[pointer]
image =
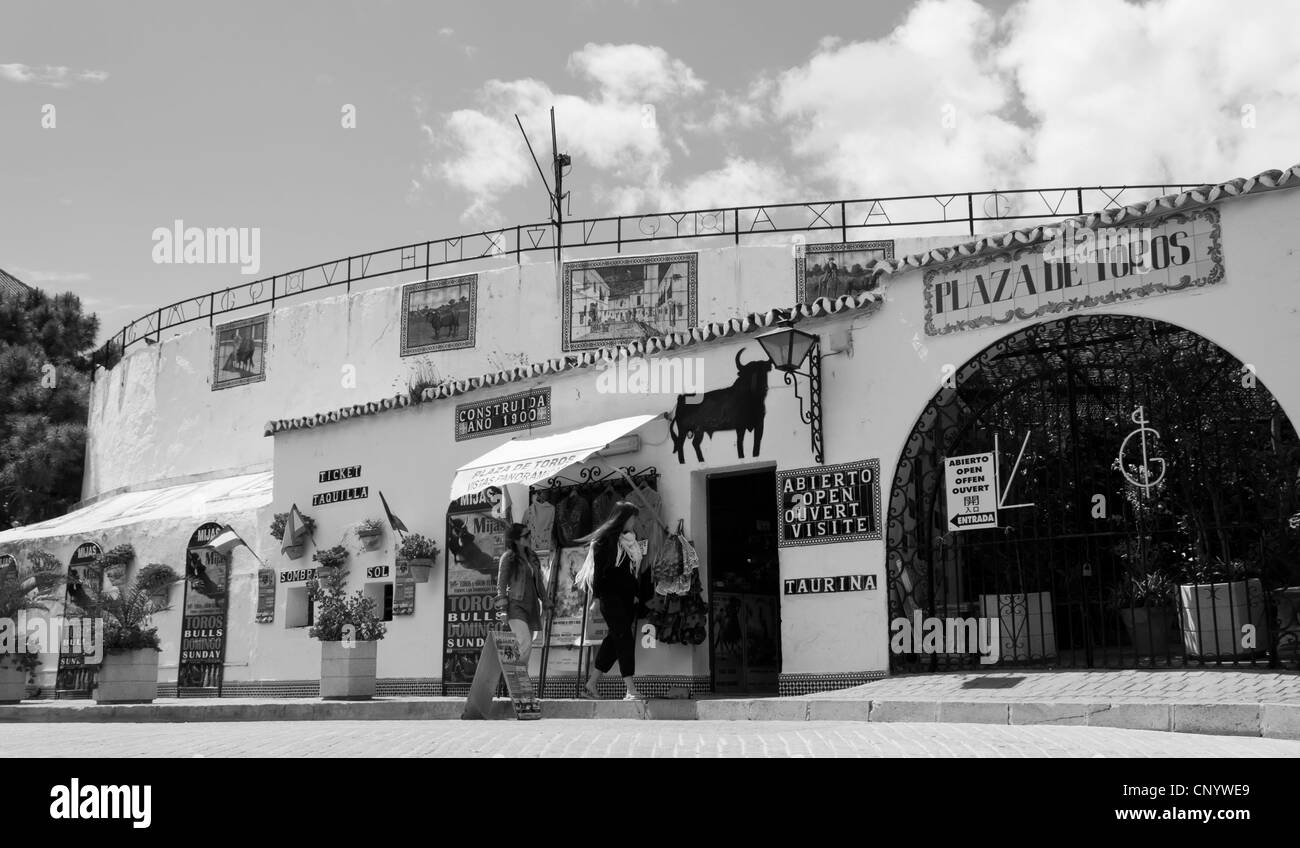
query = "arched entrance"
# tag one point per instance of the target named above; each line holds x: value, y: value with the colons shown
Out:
x: 1092, y: 575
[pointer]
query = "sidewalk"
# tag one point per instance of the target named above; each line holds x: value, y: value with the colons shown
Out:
x: 1228, y: 702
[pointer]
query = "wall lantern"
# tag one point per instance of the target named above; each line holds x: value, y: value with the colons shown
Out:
x: 788, y: 348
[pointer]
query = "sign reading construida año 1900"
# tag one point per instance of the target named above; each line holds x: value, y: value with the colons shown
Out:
x: 501, y: 415
x: 1078, y: 269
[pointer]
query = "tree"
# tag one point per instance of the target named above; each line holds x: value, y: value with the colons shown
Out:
x: 45, y: 377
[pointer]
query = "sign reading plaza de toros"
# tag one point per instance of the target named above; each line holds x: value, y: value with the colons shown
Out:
x: 1078, y: 269
x: 829, y: 503
x: 501, y: 415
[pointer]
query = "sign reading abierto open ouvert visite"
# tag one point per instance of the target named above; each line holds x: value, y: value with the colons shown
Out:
x: 829, y: 503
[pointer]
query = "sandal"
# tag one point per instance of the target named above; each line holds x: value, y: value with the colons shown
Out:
x: 584, y: 694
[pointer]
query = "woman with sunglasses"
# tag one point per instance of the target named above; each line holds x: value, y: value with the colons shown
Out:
x: 521, y: 589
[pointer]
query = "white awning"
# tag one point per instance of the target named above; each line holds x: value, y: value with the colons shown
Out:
x: 187, y: 500
x: 528, y: 461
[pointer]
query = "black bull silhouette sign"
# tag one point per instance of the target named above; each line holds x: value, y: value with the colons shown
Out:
x: 741, y: 406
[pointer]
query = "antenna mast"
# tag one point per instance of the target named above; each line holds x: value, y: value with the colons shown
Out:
x: 556, y: 197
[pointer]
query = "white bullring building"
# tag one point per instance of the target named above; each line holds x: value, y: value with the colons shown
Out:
x: 996, y: 429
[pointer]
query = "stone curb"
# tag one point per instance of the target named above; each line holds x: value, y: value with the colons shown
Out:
x: 1269, y: 720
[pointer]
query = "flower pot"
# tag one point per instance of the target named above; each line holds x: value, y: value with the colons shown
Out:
x: 1028, y: 631
x: 13, y: 684
x: 420, y: 569
x: 370, y: 540
x: 294, y: 551
x: 1286, y: 603
x: 348, y: 673
x: 1212, y: 615
x: 1150, y: 629
x: 129, y: 678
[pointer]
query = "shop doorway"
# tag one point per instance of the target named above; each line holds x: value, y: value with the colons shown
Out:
x: 744, y: 582
x: 1161, y: 473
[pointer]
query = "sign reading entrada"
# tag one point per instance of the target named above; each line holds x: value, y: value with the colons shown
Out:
x: 1078, y: 269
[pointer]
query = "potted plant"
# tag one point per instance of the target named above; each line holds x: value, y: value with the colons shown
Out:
x: 114, y: 562
x: 18, y: 593
x: 349, y: 632
x: 370, y: 532
x: 331, y: 559
x: 1216, y: 600
x: 129, y: 671
x: 419, y: 553
x: 278, y: 522
x: 156, y: 580
x: 1145, y: 605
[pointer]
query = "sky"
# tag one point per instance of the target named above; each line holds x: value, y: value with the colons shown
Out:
x: 233, y: 115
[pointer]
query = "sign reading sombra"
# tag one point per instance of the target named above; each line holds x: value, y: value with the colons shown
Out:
x: 829, y: 503
x: 502, y: 415
x: 1079, y: 269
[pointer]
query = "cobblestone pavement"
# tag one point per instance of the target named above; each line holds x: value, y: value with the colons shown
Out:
x: 1174, y: 685
x: 613, y: 738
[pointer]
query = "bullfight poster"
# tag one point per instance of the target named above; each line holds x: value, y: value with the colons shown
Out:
x: 475, y: 542
x: 203, y: 622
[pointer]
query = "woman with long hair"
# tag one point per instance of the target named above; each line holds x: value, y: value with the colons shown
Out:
x: 614, y: 561
x: 521, y: 589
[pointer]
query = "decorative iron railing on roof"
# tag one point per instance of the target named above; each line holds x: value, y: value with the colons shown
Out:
x: 847, y: 217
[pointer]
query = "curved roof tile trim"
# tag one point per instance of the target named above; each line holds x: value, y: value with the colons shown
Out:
x: 704, y: 334
x: 755, y: 321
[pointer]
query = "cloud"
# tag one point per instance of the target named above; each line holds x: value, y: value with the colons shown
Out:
x: 739, y: 181
x: 634, y: 72
x: 957, y: 97
x: 613, y: 130
x: 38, y: 277
x: 1163, y: 91
x: 868, y: 117
x: 446, y: 32
x: 53, y: 76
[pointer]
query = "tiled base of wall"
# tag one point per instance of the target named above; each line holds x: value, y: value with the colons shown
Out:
x: 611, y: 686
x: 806, y: 684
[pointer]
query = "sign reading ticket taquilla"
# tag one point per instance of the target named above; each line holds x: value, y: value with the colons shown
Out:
x: 502, y: 415
x: 829, y: 503
x: 1079, y: 268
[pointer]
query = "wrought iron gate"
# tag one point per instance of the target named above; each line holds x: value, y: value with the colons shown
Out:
x: 1172, y: 554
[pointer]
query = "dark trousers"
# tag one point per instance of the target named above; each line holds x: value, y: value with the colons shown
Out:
x: 620, y: 642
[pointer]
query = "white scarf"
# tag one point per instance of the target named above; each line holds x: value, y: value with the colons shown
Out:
x: 629, y: 547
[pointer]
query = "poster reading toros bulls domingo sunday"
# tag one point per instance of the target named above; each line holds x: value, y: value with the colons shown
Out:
x: 203, y: 624
x: 475, y: 542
